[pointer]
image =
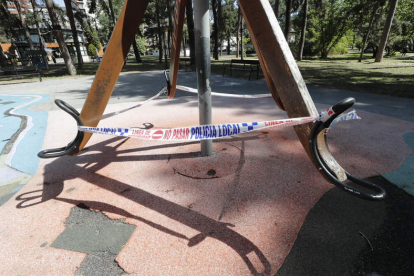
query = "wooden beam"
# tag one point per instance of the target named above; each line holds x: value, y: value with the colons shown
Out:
x: 177, y: 35
x: 280, y: 64
x: 111, y: 65
x: 265, y: 70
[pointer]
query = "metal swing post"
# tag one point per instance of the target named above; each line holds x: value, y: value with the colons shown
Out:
x: 202, y: 43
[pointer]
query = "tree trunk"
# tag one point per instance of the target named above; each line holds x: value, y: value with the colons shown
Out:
x: 228, y: 45
x: 69, y: 12
x: 184, y: 49
x: 190, y: 26
x: 239, y: 18
x: 219, y: 25
x: 57, y: 30
x: 39, y: 33
x: 160, y: 31
x: 111, y: 8
x: 276, y: 8
x: 303, y: 31
x: 170, y: 26
x: 287, y: 19
x: 386, y: 31
x: 367, y: 34
x: 241, y: 40
x: 41, y: 44
x: 3, y: 58
x: 23, y: 21
x: 215, y: 29
x: 136, y: 51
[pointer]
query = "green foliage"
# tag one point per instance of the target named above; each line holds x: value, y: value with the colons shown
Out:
x: 248, y: 46
x: 89, y: 32
x: 141, y: 44
x: 102, y: 10
x: 31, y: 18
x: 8, y: 22
x: 341, y: 47
x: 228, y: 19
x: 91, y: 50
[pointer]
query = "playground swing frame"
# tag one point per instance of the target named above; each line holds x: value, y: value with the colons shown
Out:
x: 280, y: 70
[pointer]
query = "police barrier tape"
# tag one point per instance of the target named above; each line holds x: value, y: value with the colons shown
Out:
x: 185, y: 89
x: 257, y: 96
x: 162, y: 92
x: 205, y: 132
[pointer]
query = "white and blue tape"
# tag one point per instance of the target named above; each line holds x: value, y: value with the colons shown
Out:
x: 205, y: 132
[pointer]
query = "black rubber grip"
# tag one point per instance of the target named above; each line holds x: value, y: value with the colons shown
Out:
x: 338, y: 109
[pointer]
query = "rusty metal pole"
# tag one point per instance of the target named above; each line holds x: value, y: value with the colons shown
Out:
x: 202, y: 43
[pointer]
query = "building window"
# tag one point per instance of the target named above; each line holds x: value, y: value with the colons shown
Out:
x: 83, y: 50
x: 11, y: 8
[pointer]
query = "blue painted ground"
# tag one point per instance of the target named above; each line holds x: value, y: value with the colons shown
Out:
x: 404, y: 176
x: 25, y: 157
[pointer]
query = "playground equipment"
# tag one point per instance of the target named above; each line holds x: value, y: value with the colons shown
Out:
x: 282, y: 75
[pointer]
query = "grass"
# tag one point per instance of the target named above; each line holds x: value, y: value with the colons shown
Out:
x: 393, y: 76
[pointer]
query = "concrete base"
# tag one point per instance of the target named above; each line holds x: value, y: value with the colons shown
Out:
x: 243, y: 221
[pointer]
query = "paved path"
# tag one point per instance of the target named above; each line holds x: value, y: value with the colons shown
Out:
x: 142, y: 205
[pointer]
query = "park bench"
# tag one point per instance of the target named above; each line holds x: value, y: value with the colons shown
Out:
x: 187, y: 63
x: 20, y: 72
x: 96, y: 58
x: 250, y: 65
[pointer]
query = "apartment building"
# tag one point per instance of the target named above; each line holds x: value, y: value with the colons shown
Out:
x: 45, y: 28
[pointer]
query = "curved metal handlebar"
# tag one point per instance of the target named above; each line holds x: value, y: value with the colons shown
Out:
x: 167, y: 79
x: 371, y: 191
x: 51, y: 153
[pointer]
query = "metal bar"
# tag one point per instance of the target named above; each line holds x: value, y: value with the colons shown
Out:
x: 107, y: 75
x: 202, y: 42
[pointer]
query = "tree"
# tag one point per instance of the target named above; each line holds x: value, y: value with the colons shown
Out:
x: 136, y: 51
x: 303, y: 30
x: 57, y: 30
x: 8, y: 22
x: 89, y: 31
x: 190, y: 25
x: 229, y: 22
x: 405, y: 14
x: 216, y: 26
x: 36, y: 20
x: 160, y: 29
x: 287, y: 18
x: 329, y: 21
x: 105, y: 16
x: 276, y: 8
x: 386, y: 31
x: 69, y: 12
x: 170, y: 26
x: 375, y: 7
x: 239, y: 31
x: 24, y: 25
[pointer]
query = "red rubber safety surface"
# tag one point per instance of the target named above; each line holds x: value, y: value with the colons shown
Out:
x: 237, y: 212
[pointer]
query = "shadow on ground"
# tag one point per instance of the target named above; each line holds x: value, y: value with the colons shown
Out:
x: 344, y: 235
